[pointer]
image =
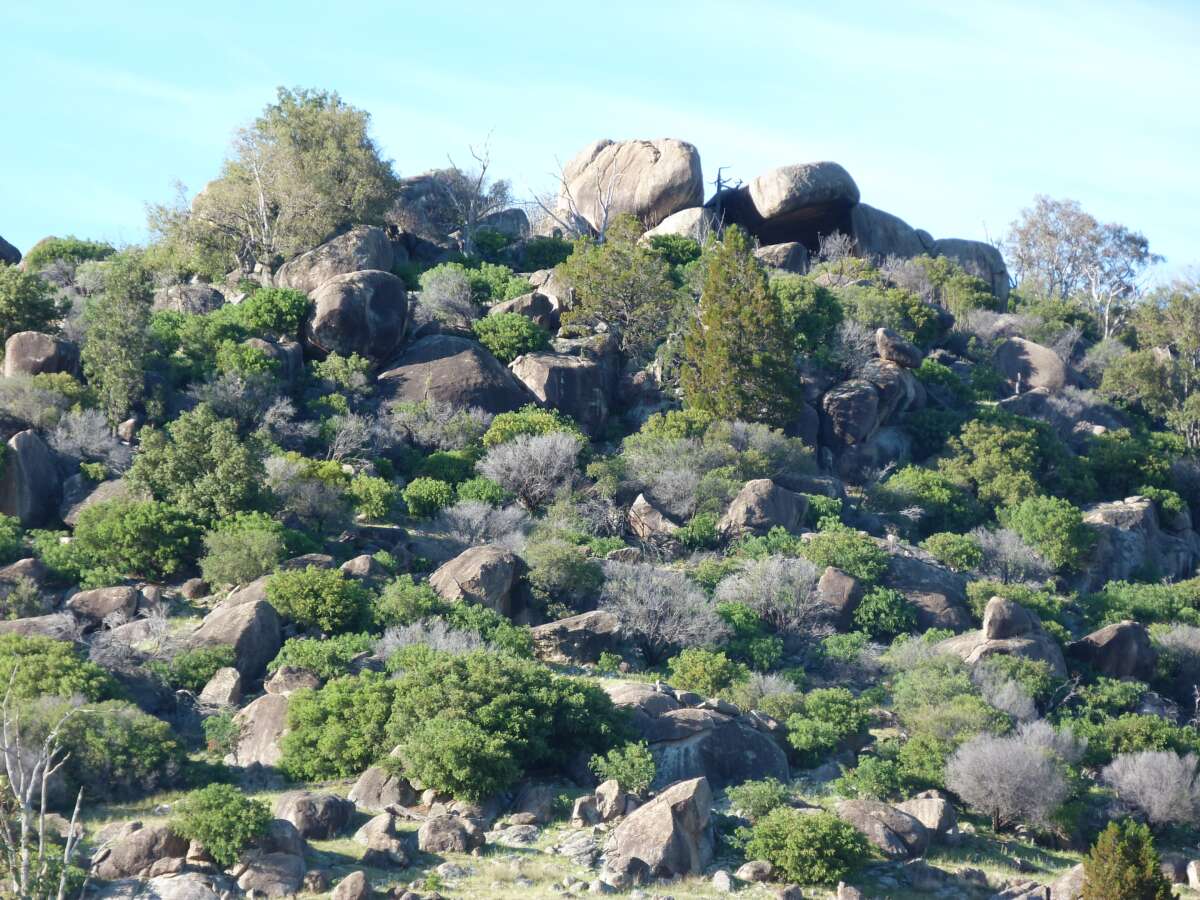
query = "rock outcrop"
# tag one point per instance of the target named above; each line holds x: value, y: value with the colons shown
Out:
x: 1028, y: 366
x: 194, y: 299
x: 1120, y: 650
x: 1131, y: 544
x: 650, y: 179
x: 261, y: 728
x: 669, y: 836
x: 139, y: 852
x: 359, y: 312
x: 359, y: 249
x: 1008, y: 630
x: 577, y: 639
x: 894, y: 833
x: 315, y: 815
x: 761, y: 505
x: 712, y: 739
x: 453, y: 370
x: 252, y: 629
x: 485, y: 575
x: 8, y: 253
x: 34, y: 353
x: 30, y: 487
x: 576, y: 385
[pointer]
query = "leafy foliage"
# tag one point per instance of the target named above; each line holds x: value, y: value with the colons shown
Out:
x: 631, y: 766
x: 223, y: 819
x: 816, y: 848
x: 508, y: 335
x: 324, y: 599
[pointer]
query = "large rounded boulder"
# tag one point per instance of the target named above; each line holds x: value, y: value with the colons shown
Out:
x: 360, y: 312
x: 195, y: 299
x: 444, y: 368
x: 30, y: 487
x: 979, y: 259
x: 359, y: 249
x: 34, y: 353
x: 8, y: 253
x: 650, y: 179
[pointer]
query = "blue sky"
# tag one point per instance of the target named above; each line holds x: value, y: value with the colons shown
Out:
x: 949, y: 114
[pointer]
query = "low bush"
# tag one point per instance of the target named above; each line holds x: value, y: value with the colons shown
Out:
x: 132, y: 539
x: 508, y: 335
x: 425, y: 496
x: 240, y: 555
x: 756, y: 799
x: 32, y: 666
x: 705, y: 672
x: 1123, y: 863
x: 809, y: 848
x: 324, y: 599
x: 849, y: 550
x: 1054, y: 527
x: 884, y: 613
x: 631, y: 766
x: 327, y: 657
x: 959, y: 552
x: 827, y: 718
x: 191, y: 669
x: 529, y: 420
x: 223, y: 819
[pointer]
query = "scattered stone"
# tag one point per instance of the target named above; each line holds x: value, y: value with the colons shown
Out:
x: 1120, y: 650
x: 485, y: 575
x: 286, y: 680
x: 34, y: 353
x: 755, y: 870
x: 761, y: 505
x: 455, y: 371
x: 648, y: 522
x: 353, y: 887
x: 136, y: 850
x: 319, y: 816
x: 262, y: 726
x: 252, y: 629
x: 669, y: 836
x: 577, y: 639
x: 893, y: 348
x: 361, y: 248
x: 449, y: 834
x: 722, y: 882
x: 96, y: 605
x: 224, y: 688
x: 897, y: 834
x: 378, y: 789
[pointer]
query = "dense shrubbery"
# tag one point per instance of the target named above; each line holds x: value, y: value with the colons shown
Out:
x: 467, y: 724
x: 129, y: 539
x: 508, y: 335
x: 810, y: 848
x: 31, y: 666
x: 222, y: 819
x: 323, y: 599
x: 631, y: 766
x: 825, y: 720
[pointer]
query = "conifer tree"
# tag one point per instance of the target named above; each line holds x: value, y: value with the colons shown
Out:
x: 738, y: 353
x: 1123, y: 865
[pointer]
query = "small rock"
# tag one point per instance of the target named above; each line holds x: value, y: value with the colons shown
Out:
x: 722, y: 882
x: 755, y: 870
x: 353, y: 887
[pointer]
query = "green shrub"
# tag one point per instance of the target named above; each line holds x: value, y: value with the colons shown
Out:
x: 425, y: 496
x: 191, y: 669
x: 874, y: 778
x: 201, y: 465
x: 133, y: 539
x: 756, y: 799
x: 240, y: 555
x: 849, y: 550
x: 959, y: 552
x: 538, y: 718
x: 327, y: 657
x: 750, y: 642
x: 27, y: 303
x: 1054, y: 527
x: 1145, y: 603
x: 10, y: 535
x: 324, y: 599
x: 822, y: 509
x: 812, y: 312
x: 901, y: 310
x: 944, y: 505
x: 373, y: 497
x: 845, y: 648
x: 884, y: 613
x: 221, y: 734
x: 544, y: 253
x: 528, y: 420
x: 345, y: 373
x: 827, y: 718
x: 116, y: 751
x: 631, y: 766
x: 676, y: 249
x: 700, y: 533
x: 809, y: 848
x: 404, y: 601
x: 32, y: 666
x: 460, y: 758
x: 245, y: 360
x: 338, y: 730
x: 274, y: 311
x: 939, y: 376
x: 450, y: 466
x: 70, y: 250
x: 706, y: 672
x: 223, y: 819
x: 508, y: 335
x: 492, y: 626
x: 484, y: 490
x: 560, y: 574
x: 1123, y: 865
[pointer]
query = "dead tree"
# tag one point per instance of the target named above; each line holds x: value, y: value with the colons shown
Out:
x: 29, y: 861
